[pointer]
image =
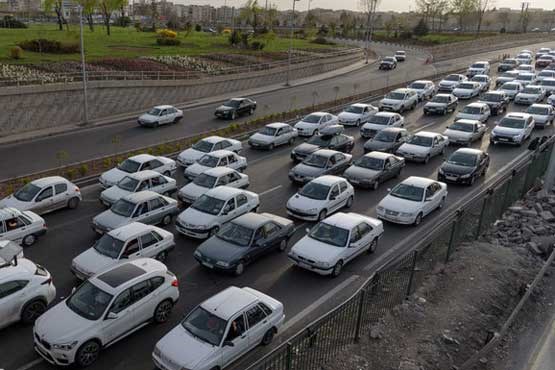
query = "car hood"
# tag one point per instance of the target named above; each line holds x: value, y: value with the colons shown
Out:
x: 386, y: 62
x: 262, y: 138
x: 12, y: 201
x: 457, y: 134
x: 224, y: 108
x: 316, y: 250
x: 399, y: 205
x: 303, y: 203
x: 361, y: 173
x: 148, y: 118
x: 196, y: 218
x: 391, y: 101
x: 61, y: 325
x: 435, y: 104
x: 306, y: 148
x: 196, y: 169
x: 461, y: 115
x: 417, y: 149
x: 349, y: 116
x: 462, y: 91
x: 527, y: 96
x: 378, y: 145
x: 303, y: 125
x: 114, y: 193
x: 374, y: 126
x: 190, y: 155
x: 183, y: 349
x: 507, y: 131
x: 448, y: 83
x: 110, y: 220
x: 305, y: 170
x: 193, y: 191
x: 113, y: 176
x: 456, y: 169
x: 92, y: 262
x: 220, y: 250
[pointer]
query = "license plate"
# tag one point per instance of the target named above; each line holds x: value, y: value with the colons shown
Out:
x: 452, y: 178
x: 304, y: 265
x: 209, y: 265
x: 503, y: 139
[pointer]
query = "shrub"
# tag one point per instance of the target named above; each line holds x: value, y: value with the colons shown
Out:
x: 16, y: 52
x: 83, y: 169
x: 502, y: 30
x: 124, y: 21
x: 163, y: 41
x: 166, y: 33
x: 138, y: 26
x: 198, y: 28
x: 71, y: 173
x: 235, y: 38
x: 421, y: 29
x: 107, y: 163
x: 49, y: 46
x: 10, y: 22
x: 257, y: 45
x: 322, y: 41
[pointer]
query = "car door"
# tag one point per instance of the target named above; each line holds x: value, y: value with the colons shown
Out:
x: 12, y: 297
x: 387, y: 171
x: 233, y: 179
x: 356, y: 245
x: 157, y: 210
x: 229, y: 211
x: 142, y: 213
x: 159, y: 184
x: 243, y: 205
x: 119, y: 318
x: 334, y: 198
x: 3, y: 231
x: 436, y: 149
x: 44, y: 201
x: 142, y: 302
x: 61, y: 195
x: 233, y: 162
x: 343, y: 192
x: 428, y: 204
x: 151, y: 244
x: 236, y: 340
x: 272, y: 237
x: 131, y: 250
x: 258, y: 324
x: 341, y: 162
x: 14, y: 229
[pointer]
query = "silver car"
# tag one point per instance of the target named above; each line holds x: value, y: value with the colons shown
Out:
x: 272, y: 135
x: 146, y: 206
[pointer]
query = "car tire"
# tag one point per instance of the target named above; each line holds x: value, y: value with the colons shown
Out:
x: 322, y: 215
x: 29, y: 240
x: 163, y: 311
x: 271, y: 146
x: 375, y: 185
x: 291, y: 141
x: 337, y: 269
x: 315, y: 132
x: 251, y: 111
x: 283, y: 245
x: 441, y: 204
x: 418, y: 219
x: 87, y: 354
x: 373, y: 246
x: 233, y: 115
x: 350, y: 201
x: 240, y: 268
x: 427, y: 159
x: 32, y: 311
x: 268, y: 337
x: 73, y: 203
x: 444, y: 112
x: 358, y: 123
x: 166, y: 220
x: 162, y: 256
x: 472, y: 180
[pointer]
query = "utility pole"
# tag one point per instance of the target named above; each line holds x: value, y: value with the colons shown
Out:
x: 83, y: 70
x: 287, y: 83
x: 370, y: 27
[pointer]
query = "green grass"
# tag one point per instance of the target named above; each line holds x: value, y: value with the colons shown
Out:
x: 433, y: 38
x: 127, y: 43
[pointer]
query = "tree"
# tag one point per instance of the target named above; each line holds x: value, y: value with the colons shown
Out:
x: 89, y: 7
x: 250, y: 14
x: 421, y: 29
x: 504, y: 18
x: 482, y: 6
x: 369, y: 9
x: 57, y: 7
x: 153, y: 14
x: 347, y: 23
x: 464, y: 10
x: 390, y: 24
x: 271, y: 16
x: 107, y: 7
x: 310, y: 20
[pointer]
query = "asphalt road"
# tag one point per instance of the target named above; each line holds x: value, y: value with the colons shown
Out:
x: 304, y: 294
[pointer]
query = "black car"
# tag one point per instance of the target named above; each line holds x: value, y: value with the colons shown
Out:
x: 331, y: 137
x: 320, y: 163
x: 374, y: 168
x: 498, y: 101
x: 507, y: 65
x: 235, y: 107
x: 388, y: 63
x: 464, y: 166
x: 244, y: 240
x: 387, y: 140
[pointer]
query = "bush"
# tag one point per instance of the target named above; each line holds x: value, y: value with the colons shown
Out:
x: 257, y: 45
x: 235, y: 38
x: 49, y: 46
x: 16, y: 52
x: 502, y: 30
x: 168, y: 34
x: 421, y: 29
x: 83, y: 170
x: 198, y: 28
x: 124, y: 21
x: 322, y: 41
x: 10, y: 22
x: 163, y: 41
x: 138, y: 26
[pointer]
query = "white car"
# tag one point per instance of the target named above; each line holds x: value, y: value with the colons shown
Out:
x: 22, y: 227
x: 542, y: 51
x: 220, y: 330
x: 530, y: 94
x: 356, y: 114
x: 412, y: 200
x: 400, y: 55
x: 336, y: 241
x: 478, y: 68
x: 508, y: 76
x: 551, y: 99
x: 214, y: 208
x: 207, y: 145
x: 543, y: 114
x: 44, y: 195
x: 422, y: 146
x: 525, y: 78
x: 450, y: 82
x: 441, y: 104
x: 219, y: 158
x: 514, y: 128
x: 26, y: 289
x: 524, y: 58
x: 218, y: 176
x: 136, y: 163
x: 511, y: 89
x: 138, y: 181
x: 160, y: 115
x: 380, y: 121
x: 129, y: 242
x: 105, y: 309
x: 321, y: 197
x: 483, y: 80
x: 465, y: 131
x: 475, y: 111
x: 424, y: 88
x: 467, y: 90
x: 399, y: 100
x: 548, y: 84
x: 272, y: 135
x: 545, y: 74
x: 314, y: 122
x: 525, y: 68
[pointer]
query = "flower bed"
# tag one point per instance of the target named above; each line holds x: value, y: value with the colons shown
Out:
x: 11, y: 72
x: 132, y: 65
x: 178, y: 62
x: 68, y: 67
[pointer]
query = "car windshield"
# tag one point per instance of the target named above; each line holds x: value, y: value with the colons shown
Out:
x: 509, y: 86
x: 526, y: 77
x: 479, y: 79
x: 509, y: 61
x: 389, y: 59
x: 330, y: 234
x: 471, y: 110
x: 369, y: 163
x: 320, y: 140
x: 421, y: 140
x: 312, y: 118
x: 268, y: 131
x: 538, y: 110
x: 109, y: 246
x: 209, y: 161
x: 123, y: 208
x: 477, y: 65
x: 208, y: 204
x: 154, y: 112
x: 27, y: 193
x: 203, y: 146
x: 128, y: 183
x: 395, y: 96
x: 89, y: 301
x: 508, y: 75
x: 440, y: 99
x: 205, y: 326
x: 512, y: 123
x: 548, y: 82
x: 354, y: 109
x: 452, y: 78
x: 531, y: 90
x: 129, y: 166
x: 408, y: 192
x: 417, y: 85
x: 314, y: 190
x: 546, y: 74
x: 462, y: 126
x: 466, y: 86
x: 205, y: 181
x: 462, y: 159
x: 232, y: 103
x: 492, y: 97
x: 236, y: 234
x: 379, y: 120
x: 316, y: 161
x: 385, y: 136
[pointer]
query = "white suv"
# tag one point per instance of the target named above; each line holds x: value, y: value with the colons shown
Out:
x: 26, y: 289
x: 21, y: 227
x: 105, y: 309
x: 399, y: 100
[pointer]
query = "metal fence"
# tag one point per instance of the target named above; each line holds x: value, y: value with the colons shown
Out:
x: 316, y: 344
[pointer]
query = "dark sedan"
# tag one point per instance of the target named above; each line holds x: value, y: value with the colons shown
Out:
x: 388, y: 63
x: 235, y: 107
x: 464, y: 166
x: 340, y: 142
x: 507, y: 65
x: 244, y: 240
x: 374, y: 168
x: 320, y: 163
x: 387, y: 140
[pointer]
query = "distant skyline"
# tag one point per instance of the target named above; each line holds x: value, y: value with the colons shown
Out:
x: 386, y: 5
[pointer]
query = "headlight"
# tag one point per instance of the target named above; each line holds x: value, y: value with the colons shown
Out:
x: 197, y: 254
x: 65, y: 346
x: 312, y: 210
x: 465, y: 176
x: 324, y: 264
x: 380, y: 208
x: 517, y: 137
x: 406, y: 214
x: 223, y: 264
x: 441, y: 170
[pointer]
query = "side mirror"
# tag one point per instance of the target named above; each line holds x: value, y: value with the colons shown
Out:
x: 428, y: 199
x: 111, y: 316
x: 389, y: 190
x: 307, y: 230
x: 228, y: 343
x: 73, y: 290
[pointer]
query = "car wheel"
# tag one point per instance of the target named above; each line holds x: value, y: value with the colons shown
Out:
x: 472, y: 180
x: 88, y: 353
x: 162, y: 256
x: 444, y: 112
x: 375, y: 185
x: 240, y: 268
x: 166, y: 220
x: 234, y: 115
x: 322, y: 215
x: 373, y: 246
x: 427, y: 159
x: 271, y: 146
x: 441, y: 204
x: 29, y: 240
x: 156, y: 124
x: 32, y: 311
x: 315, y: 132
x: 349, y: 203
x: 291, y: 141
x: 418, y: 219
x: 283, y: 245
x: 337, y: 269
x: 358, y: 123
x: 73, y: 203
x: 251, y: 111
x: 163, y: 311
x: 268, y: 337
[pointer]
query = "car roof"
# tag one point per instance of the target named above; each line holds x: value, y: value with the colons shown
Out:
x: 526, y: 74
x: 229, y: 302
x: 129, y: 231
x: 141, y: 196
x: 344, y: 220
x: 417, y: 181
x: 379, y: 155
x: 476, y: 104
x: 386, y: 114
x: 8, y: 212
x: 45, y: 181
x: 394, y: 129
x: 400, y: 51
x: 163, y: 106
x: 481, y: 61
x: 142, y: 175
x: 403, y: 90
x: 326, y: 152
x: 422, y: 81
x: 533, y: 86
x: 362, y: 105
x: 522, y: 115
x: 213, y: 139
x: 469, y: 151
x: 469, y: 121
x: 223, y: 192
x: 541, y: 105
x: 251, y: 220
x: 238, y: 99
x: 444, y: 95
x: 426, y: 134
x: 121, y: 276
x: 480, y: 76
x: 328, y: 180
x: 218, y: 171
x: 277, y: 125
x: 141, y: 158
x: 473, y: 83
x: 24, y: 268
x: 220, y: 153
x: 317, y: 113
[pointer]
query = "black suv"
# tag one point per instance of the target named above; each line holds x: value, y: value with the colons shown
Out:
x: 498, y: 101
x: 388, y: 63
x: 235, y: 107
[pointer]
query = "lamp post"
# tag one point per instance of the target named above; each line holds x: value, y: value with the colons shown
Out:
x: 370, y: 27
x: 290, y: 44
x: 85, y: 100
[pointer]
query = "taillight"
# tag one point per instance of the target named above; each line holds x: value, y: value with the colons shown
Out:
x: 44, y: 226
x: 77, y: 190
x: 47, y: 281
x: 175, y: 283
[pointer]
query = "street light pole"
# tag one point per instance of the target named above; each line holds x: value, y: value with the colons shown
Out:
x: 290, y: 45
x: 369, y: 28
x: 85, y: 100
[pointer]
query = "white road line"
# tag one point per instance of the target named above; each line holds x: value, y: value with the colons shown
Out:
x: 30, y: 364
x: 270, y: 190
x: 301, y: 315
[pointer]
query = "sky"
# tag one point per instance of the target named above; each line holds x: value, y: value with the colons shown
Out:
x: 385, y: 5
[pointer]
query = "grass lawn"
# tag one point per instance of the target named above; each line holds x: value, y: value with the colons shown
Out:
x: 126, y: 42
x: 436, y: 38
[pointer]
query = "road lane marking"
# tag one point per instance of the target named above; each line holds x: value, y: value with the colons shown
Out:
x: 31, y: 364
x: 270, y: 190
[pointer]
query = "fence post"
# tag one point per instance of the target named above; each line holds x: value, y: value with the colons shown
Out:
x: 359, y: 314
x: 482, y: 212
x: 452, y: 236
x: 289, y: 357
x: 507, y: 192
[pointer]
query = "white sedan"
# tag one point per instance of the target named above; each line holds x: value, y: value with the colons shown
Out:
x: 219, y: 158
x: 412, y: 200
x: 530, y: 94
x: 465, y: 131
x: 356, y: 114
x: 207, y: 145
x: 551, y: 99
x: 321, y: 197
x: 314, y: 122
x: 483, y: 80
x: 511, y: 89
x: 422, y: 146
x: 218, y: 176
x: 399, y: 100
x: 475, y: 111
x: 136, y: 163
x: 380, y: 121
x: 22, y: 227
x: 526, y: 78
x: 467, y: 90
x: 335, y: 241
x: 514, y: 128
x: 450, y: 82
x: 424, y: 88
x: 272, y: 135
x: 160, y: 115
x: 543, y: 114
